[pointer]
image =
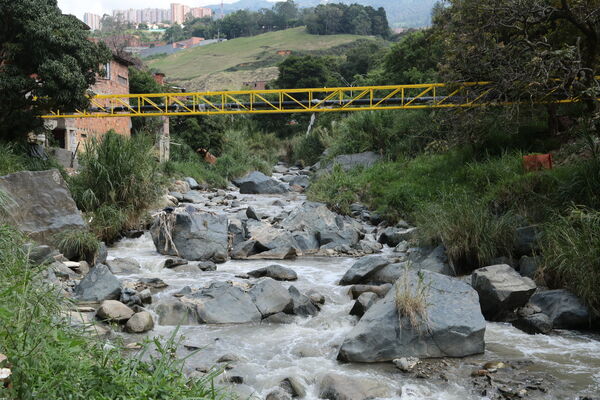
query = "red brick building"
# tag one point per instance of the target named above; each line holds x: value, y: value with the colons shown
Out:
x: 73, y: 131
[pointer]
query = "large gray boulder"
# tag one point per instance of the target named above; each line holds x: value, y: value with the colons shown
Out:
x: 351, y: 161
x: 501, y: 290
x: 270, y: 297
x: 98, y: 285
x: 393, y: 236
x: 196, y: 236
x: 223, y: 303
x: 566, y: 311
x: 363, y: 269
x: 318, y: 222
x: 452, y: 327
x: 40, y: 204
x: 258, y: 183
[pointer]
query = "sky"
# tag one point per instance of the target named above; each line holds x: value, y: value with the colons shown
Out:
x: 79, y: 7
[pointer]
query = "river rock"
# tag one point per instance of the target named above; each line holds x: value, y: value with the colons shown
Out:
x: 434, y: 261
x: 252, y: 214
x: 316, y: 297
x: 276, y: 272
x: 100, y: 284
x: 363, y: 303
x: 192, y: 182
x: 362, y: 269
x: 566, y: 311
x: 237, y: 231
x: 293, y: 386
x: 301, y: 304
x: 528, y: 266
x: 379, y: 290
x: 102, y: 254
x: 180, y: 186
x: 338, y: 237
x: 279, y: 318
x: 501, y: 290
x: 197, y: 236
x: 124, y: 266
x: 62, y: 271
x: 258, y: 183
x: 393, y: 236
x: 270, y: 297
x: 341, y: 387
x: 302, y: 180
x: 140, y: 322
x: 316, y: 219
x: 114, y: 311
x: 223, y: 303
x: 453, y: 327
x: 40, y: 204
x: 533, y: 323
x: 369, y: 246
x: 207, y: 266
x: 193, y: 197
x: 279, y: 253
x: 278, y: 394
x: 174, y: 262
x: 350, y: 161
x: 174, y: 312
x: 391, y: 272
x: 40, y: 254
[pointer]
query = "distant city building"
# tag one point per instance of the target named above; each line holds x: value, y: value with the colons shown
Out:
x: 146, y: 15
x: 92, y: 20
x: 179, y: 12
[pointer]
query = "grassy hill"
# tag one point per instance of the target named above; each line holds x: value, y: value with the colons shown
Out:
x: 226, y: 65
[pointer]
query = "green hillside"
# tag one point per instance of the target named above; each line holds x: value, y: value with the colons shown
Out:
x: 228, y: 64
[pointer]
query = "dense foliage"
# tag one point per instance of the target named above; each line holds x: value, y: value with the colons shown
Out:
x: 336, y: 18
x: 46, y: 62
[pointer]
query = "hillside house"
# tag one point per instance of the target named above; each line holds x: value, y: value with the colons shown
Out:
x: 71, y: 132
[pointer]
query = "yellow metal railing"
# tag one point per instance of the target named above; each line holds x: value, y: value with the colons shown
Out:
x: 341, y: 99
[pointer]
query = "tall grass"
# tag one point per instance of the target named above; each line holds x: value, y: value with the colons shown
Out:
x: 472, y: 235
x: 411, y: 299
x: 77, y: 244
x: 571, y: 254
x: 118, y: 182
x: 50, y: 359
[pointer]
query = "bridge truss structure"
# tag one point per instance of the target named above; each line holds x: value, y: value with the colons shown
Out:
x: 278, y: 101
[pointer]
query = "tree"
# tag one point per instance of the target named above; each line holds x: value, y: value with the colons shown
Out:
x: 361, y: 59
x: 414, y: 59
x: 286, y: 13
x: 140, y: 82
x: 528, y: 48
x: 46, y: 63
x: 174, y: 33
x: 304, y: 72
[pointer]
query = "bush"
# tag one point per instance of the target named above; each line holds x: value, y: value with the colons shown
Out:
x: 50, y: 359
x: 118, y: 182
x: 472, y: 235
x: 571, y: 254
x: 77, y: 244
x: 308, y: 149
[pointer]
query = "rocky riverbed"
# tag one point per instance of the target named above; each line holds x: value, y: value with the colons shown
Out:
x: 291, y: 300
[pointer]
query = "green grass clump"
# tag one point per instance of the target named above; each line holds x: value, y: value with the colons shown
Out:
x: 472, y: 235
x: 50, y: 359
x: 119, y: 180
x: 571, y: 254
x: 77, y: 244
x: 411, y: 302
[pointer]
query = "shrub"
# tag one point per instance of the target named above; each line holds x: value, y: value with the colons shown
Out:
x: 77, y: 244
x: 571, y: 254
x: 309, y: 148
x: 50, y: 359
x: 10, y: 161
x: 118, y: 182
x: 472, y: 235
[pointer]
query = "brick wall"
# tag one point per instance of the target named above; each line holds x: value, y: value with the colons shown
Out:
x: 117, y: 84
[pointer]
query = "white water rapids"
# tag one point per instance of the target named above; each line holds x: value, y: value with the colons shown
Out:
x: 307, y: 348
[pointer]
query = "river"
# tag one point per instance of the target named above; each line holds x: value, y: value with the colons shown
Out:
x: 307, y: 348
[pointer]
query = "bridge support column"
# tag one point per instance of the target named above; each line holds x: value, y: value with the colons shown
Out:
x: 164, y: 141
